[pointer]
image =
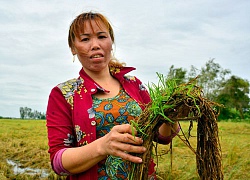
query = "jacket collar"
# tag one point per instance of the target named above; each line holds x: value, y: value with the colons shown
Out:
x: 119, y: 73
x: 92, y: 86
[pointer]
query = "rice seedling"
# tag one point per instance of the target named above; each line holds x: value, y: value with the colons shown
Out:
x: 173, y: 103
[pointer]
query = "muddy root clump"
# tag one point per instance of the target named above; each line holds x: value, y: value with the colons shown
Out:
x: 174, y: 103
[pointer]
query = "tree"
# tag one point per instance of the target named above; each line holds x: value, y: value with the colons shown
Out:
x: 235, y: 94
x: 22, y: 112
x: 210, y: 78
x: 232, y: 92
x: 27, y: 113
x: 178, y: 74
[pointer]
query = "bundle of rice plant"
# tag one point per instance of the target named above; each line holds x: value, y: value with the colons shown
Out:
x: 173, y: 103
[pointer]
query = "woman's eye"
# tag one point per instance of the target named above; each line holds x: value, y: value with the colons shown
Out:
x: 102, y: 37
x: 85, y: 39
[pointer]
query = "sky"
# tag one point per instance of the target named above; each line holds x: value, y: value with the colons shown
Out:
x: 149, y: 35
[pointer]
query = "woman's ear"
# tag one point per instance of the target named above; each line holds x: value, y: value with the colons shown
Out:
x: 73, y: 51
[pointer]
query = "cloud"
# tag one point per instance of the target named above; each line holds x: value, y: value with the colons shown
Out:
x: 150, y: 35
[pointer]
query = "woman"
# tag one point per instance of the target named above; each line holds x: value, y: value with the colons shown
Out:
x: 88, y: 117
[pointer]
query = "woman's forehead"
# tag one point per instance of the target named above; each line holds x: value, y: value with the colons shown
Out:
x: 93, y: 26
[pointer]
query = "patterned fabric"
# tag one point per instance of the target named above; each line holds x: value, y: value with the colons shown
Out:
x: 69, y: 87
x: 110, y: 112
x: 71, y: 117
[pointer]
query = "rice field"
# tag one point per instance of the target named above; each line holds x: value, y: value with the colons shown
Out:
x: 24, y: 145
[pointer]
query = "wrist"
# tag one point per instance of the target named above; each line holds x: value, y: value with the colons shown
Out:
x: 100, y: 150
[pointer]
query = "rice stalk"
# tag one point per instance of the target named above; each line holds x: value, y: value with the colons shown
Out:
x: 172, y: 103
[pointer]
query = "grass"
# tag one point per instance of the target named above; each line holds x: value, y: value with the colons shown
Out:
x: 25, y: 141
x: 234, y: 139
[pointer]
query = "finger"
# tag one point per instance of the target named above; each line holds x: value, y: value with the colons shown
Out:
x: 128, y: 138
x: 129, y: 157
x: 130, y: 148
x: 125, y: 128
x: 133, y: 149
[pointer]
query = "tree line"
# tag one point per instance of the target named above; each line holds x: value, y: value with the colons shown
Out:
x: 27, y: 113
x: 220, y: 86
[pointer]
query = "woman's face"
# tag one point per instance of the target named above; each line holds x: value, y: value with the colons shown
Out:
x: 94, y: 46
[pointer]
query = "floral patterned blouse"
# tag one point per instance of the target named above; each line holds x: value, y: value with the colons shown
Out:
x: 71, y: 120
x: 108, y: 113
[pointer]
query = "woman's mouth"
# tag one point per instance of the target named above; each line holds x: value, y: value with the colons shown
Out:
x: 96, y: 56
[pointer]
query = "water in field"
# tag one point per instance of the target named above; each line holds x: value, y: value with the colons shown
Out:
x: 30, y: 171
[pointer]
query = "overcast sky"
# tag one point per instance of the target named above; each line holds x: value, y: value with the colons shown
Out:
x: 150, y: 35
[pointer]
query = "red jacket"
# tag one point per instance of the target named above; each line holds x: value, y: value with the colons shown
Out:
x: 70, y: 116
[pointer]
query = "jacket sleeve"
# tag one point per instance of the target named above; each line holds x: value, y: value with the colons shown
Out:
x: 59, y: 123
x: 166, y: 140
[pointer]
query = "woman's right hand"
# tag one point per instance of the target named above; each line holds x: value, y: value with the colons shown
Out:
x: 121, y: 141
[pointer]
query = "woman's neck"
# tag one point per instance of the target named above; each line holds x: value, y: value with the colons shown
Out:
x: 106, y: 81
x: 103, y: 78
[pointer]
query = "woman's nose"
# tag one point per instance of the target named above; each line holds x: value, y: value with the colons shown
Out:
x: 95, y: 44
